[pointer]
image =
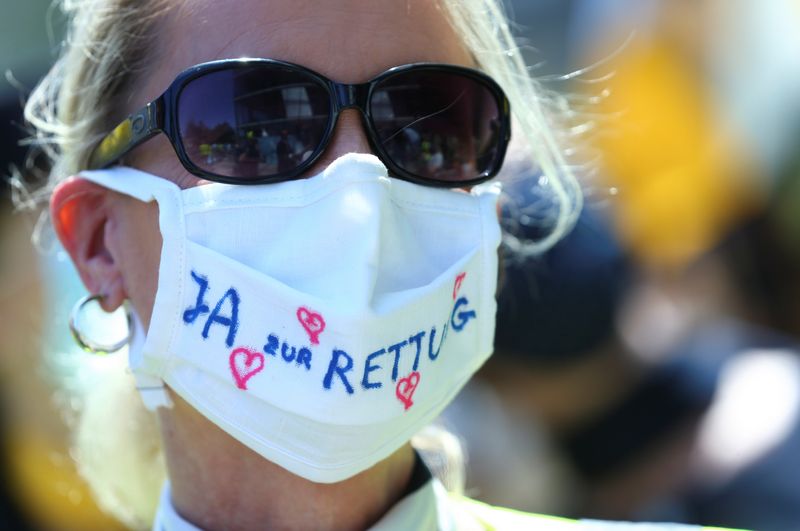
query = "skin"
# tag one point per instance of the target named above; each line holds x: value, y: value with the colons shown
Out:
x: 115, y: 242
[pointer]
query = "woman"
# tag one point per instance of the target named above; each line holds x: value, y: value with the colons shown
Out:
x: 298, y: 331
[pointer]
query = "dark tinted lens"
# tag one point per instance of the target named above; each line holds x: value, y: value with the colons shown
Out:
x: 252, y: 122
x: 437, y: 125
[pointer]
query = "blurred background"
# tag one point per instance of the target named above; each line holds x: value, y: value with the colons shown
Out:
x: 647, y: 367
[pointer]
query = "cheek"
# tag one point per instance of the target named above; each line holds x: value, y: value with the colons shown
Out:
x: 134, y: 241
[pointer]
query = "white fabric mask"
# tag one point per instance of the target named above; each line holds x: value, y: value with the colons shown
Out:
x: 323, y: 321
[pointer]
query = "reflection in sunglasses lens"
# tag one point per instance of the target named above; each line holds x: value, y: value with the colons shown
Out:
x: 258, y: 121
x: 250, y: 122
x: 437, y: 125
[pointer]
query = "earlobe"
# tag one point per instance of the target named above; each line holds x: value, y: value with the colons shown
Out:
x: 80, y: 213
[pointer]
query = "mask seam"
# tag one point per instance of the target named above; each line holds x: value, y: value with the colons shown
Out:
x: 488, y: 294
x: 484, y: 258
x: 181, y: 270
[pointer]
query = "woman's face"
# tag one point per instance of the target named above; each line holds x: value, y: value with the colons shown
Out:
x: 346, y: 40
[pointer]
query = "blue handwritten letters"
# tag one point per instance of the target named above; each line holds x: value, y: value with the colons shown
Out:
x: 375, y: 370
x: 288, y: 353
x: 229, y: 302
x: 217, y: 314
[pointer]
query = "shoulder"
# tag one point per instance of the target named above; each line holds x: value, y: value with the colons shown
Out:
x: 471, y: 514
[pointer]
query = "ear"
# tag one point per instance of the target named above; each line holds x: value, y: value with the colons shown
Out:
x: 80, y: 211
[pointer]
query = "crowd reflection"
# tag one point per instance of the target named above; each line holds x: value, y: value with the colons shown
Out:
x: 273, y: 130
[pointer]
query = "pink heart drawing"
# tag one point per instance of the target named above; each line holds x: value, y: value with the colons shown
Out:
x: 457, y: 286
x: 406, y: 387
x: 312, y: 322
x: 245, y: 363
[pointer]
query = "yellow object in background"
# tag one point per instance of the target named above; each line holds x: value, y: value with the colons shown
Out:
x: 682, y: 180
x: 42, y: 477
x: 47, y: 484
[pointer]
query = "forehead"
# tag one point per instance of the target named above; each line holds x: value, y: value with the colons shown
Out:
x: 346, y: 40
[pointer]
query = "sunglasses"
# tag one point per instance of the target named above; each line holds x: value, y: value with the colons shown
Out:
x: 254, y: 121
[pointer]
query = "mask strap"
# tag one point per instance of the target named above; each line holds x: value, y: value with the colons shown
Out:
x: 129, y: 181
x: 153, y: 393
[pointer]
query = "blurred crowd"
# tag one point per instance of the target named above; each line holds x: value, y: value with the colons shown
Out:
x: 646, y: 367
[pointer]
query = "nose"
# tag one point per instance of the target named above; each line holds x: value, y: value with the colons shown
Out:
x: 349, y: 136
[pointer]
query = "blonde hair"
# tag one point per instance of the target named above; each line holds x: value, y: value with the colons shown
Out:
x: 543, y: 119
x: 78, y: 101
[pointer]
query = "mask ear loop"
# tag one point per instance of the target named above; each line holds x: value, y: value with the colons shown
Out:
x: 88, y: 344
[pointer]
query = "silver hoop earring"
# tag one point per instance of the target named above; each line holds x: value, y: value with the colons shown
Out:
x: 85, y: 342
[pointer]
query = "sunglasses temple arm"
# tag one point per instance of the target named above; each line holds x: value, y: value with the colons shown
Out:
x: 135, y: 129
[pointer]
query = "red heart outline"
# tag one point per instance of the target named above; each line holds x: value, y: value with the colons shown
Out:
x: 406, y: 387
x: 312, y: 322
x: 243, y: 373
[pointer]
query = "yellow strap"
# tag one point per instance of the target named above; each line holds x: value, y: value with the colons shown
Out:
x: 502, y: 519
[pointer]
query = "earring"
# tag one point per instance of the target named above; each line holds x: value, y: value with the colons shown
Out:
x: 85, y: 342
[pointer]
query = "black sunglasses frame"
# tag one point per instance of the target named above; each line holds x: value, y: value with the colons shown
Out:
x: 161, y: 116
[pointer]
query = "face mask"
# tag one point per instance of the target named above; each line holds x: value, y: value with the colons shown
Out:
x: 323, y: 321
